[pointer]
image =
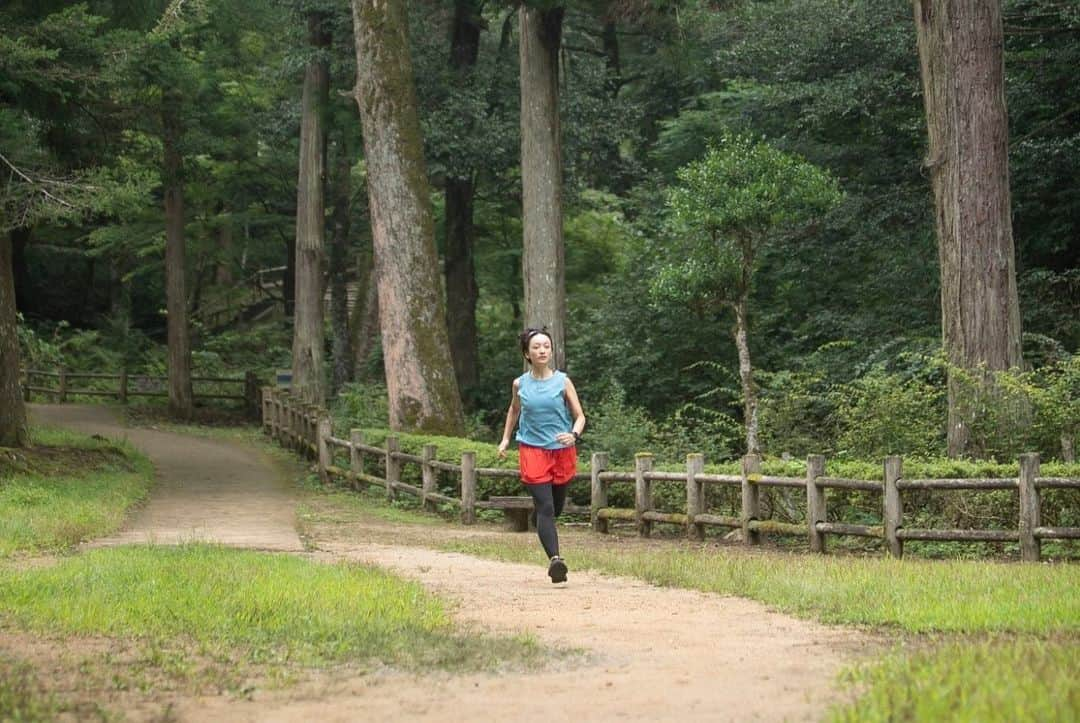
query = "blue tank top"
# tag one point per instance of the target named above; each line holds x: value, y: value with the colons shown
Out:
x: 543, y: 410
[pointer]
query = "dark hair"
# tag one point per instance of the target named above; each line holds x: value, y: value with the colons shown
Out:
x: 527, y: 335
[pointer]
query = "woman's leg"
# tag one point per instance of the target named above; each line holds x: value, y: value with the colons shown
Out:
x: 544, y: 503
x: 558, y: 497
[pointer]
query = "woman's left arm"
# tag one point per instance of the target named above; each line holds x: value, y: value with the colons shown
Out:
x: 574, y: 404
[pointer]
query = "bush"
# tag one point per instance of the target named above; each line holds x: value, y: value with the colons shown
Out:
x: 887, y: 411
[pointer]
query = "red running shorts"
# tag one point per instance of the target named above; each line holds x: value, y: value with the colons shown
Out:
x: 539, y: 465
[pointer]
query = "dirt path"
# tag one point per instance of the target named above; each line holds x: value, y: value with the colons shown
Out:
x: 208, y: 490
x: 651, y: 653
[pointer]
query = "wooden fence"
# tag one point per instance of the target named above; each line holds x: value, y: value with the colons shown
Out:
x: 126, y: 385
x: 307, y: 429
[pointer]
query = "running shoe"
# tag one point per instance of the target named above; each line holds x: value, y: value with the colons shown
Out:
x: 557, y: 569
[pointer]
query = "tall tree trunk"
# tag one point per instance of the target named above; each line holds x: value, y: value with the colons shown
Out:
x: 612, y: 57
x: 308, y: 334
x: 420, y: 378
x: 288, y: 282
x: 460, y: 269
x: 962, y: 66
x: 364, y: 325
x: 223, y: 272
x: 181, y: 397
x: 461, y: 288
x: 341, y: 193
x: 13, y: 431
x: 20, y: 239
x: 746, y: 374
x: 543, y: 263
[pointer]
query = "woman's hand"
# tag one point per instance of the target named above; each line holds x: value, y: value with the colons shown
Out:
x: 502, y: 448
x: 566, y: 439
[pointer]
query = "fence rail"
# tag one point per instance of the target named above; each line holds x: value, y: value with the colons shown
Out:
x: 134, y: 385
x: 307, y: 429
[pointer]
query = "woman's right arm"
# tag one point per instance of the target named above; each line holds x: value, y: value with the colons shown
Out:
x: 512, y: 415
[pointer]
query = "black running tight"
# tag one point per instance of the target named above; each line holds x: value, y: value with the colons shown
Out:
x: 548, y: 500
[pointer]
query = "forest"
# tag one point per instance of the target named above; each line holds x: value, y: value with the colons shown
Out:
x: 751, y: 225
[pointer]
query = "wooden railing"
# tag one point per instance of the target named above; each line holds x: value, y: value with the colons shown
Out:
x: 65, y: 384
x: 307, y: 429
x: 1029, y: 533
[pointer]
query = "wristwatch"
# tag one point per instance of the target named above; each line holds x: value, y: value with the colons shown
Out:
x: 577, y: 437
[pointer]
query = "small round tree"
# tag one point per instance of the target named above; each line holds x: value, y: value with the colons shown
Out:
x: 741, y: 195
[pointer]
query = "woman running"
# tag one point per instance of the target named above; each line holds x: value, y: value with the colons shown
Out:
x: 546, y: 404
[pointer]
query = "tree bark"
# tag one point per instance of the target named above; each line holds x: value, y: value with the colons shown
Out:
x: 341, y: 343
x: 13, y: 430
x: 746, y: 373
x: 181, y: 397
x: 364, y: 325
x: 308, y: 334
x: 460, y: 268
x: 962, y: 67
x: 543, y: 260
x: 423, y: 392
x: 24, y: 298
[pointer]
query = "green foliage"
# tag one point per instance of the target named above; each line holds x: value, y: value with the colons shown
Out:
x: 35, y: 352
x: 618, y: 428
x: 747, y: 187
x: 1026, y: 411
x: 361, y: 406
x: 889, y: 411
x: 741, y: 195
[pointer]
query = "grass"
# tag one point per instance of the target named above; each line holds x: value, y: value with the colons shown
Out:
x: 1018, y: 680
x: 22, y: 697
x: 66, y: 489
x: 268, y: 609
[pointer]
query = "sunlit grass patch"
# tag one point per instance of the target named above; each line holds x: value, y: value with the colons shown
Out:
x: 274, y: 609
x: 65, y: 489
x: 996, y: 679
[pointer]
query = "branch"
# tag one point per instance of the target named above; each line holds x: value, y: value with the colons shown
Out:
x: 37, y: 184
x: 1039, y: 128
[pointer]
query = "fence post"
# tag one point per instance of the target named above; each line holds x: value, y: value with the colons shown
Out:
x: 62, y: 393
x: 1030, y: 545
x: 751, y: 505
x: 643, y: 462
x: 598, y: 499
x: 356, y: 455
x: 289, y: 428
x: 283, y: 418
x: 695, y: 496
x: 312, y: 412
x: 251, y: 394
x: 427, y: 473
x: 894, y: 509
x: 267, y: 412
x: 468, y: 488
x: 302, y: 439
x: 123, y: 393
x: 393, y: 466
x: 291, y: 422
x: 323, y: 433
x: 815, y: 501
